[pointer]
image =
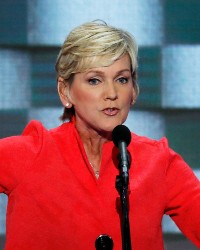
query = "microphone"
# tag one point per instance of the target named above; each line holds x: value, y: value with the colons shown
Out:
x: 121, y: 134
x: 104, y: 242
x: 121, y: 137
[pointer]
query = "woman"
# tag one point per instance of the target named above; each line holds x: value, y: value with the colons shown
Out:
x: 61, y: 183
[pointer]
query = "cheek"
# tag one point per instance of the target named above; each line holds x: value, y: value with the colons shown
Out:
x: 81, y: 97
x: 128, y: 97
x: 76, y: 94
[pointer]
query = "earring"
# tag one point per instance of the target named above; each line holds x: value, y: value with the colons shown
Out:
x: 67, y: 105
x: 132, y: 102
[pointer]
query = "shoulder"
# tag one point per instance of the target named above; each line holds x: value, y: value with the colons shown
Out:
x: 147, y: 151
x: 18, y: 154
x: 40, y: 135
x: 34, y: 128
x: 31, y: 139
x: 38, y: 131
x: 149, y: 143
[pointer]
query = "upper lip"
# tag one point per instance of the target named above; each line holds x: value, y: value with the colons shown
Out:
x: 113, y: 108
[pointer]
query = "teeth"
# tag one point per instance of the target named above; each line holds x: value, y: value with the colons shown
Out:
x: 111, y: 111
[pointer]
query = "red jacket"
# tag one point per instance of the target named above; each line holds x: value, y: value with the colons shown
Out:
x: 56, y: 203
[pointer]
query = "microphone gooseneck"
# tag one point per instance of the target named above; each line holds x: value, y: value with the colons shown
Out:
x: 121, y: 136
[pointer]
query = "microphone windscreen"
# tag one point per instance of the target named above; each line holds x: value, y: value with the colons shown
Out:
x: 121, y: 133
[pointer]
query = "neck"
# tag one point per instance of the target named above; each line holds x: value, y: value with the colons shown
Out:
x: 92, y: 142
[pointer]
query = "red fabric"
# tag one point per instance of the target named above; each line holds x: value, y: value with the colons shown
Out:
x: 55, y: 201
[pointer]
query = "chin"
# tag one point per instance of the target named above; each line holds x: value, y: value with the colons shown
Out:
x: 109, y: 128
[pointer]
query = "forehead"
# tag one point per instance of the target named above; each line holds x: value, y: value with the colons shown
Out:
x: 120, y: 66
x: 103, y: 63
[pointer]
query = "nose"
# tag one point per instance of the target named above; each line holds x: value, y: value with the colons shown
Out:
x: 111, y: 92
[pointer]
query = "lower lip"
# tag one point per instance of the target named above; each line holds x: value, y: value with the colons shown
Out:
x: 110, y: 112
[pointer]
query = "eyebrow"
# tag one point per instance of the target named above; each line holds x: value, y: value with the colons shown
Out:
x: 102, y: 72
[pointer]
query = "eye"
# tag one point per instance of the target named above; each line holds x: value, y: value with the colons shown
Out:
x: 122, y: 80
x: 93, y: 81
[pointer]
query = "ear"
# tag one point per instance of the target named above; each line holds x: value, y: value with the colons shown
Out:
x: 134, y: 97
x: 63, y: 91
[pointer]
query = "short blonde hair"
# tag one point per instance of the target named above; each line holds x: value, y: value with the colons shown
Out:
x: 91, y: 45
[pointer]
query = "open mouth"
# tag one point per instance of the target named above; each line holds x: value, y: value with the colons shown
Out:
x: 111, y: 111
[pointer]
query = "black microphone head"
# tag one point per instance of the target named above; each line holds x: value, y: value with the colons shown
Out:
x: 104, y: 242
x: 121, y: 133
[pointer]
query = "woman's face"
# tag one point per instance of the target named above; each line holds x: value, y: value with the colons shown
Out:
x: 102, y: 96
